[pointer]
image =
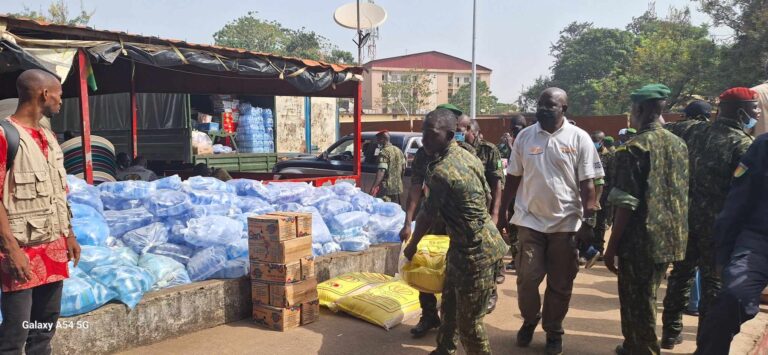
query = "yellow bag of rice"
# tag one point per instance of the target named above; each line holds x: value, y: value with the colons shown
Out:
x: 426, y: 271
x: 386, y: 305
x: 348, y: 284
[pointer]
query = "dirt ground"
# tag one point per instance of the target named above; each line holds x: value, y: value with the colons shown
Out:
x: 592, y: 327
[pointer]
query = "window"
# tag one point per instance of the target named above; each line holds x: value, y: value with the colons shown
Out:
x: 466, y: 80
x: 384, y: 77
x: 411, y: 149
x: 345, y: 146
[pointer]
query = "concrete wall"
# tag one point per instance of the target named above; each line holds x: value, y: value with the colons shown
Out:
x: 180, y: 310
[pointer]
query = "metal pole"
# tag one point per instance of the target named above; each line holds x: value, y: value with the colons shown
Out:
x: 359, y: 37
x: 85, y: 116
x: 473, y: 97
x: 134, y: 114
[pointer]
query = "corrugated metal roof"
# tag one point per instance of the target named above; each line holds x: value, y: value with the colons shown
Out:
x: 424, y: 60
x: 57, y: 31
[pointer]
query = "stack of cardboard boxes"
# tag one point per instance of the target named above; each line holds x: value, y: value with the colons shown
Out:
x: 283, y: 280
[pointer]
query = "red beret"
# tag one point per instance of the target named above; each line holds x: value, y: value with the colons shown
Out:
x: 738, y: 94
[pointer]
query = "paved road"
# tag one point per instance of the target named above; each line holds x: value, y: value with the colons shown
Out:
x: 592, y: 327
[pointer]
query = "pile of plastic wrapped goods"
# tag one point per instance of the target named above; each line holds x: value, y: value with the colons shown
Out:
x: 139, y: 236
x: 255, y: 130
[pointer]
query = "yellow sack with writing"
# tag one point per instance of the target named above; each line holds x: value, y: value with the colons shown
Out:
x: 386, y: 305
x: 348, y: 284
x: 426, y: 271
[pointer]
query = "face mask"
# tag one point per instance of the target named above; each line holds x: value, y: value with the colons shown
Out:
x: 750, y: 124
x: 459, y: 136
x: 546, y: 116
x: 598, y: 146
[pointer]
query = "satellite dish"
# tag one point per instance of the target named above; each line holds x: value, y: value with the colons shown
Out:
x: 371, y: 15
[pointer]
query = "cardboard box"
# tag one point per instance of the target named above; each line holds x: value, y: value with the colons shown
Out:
x: 310, y: 312
x: 294, y: 294
x: 202, y: 150
x: 277, y: 318
x: 307, y: 268
x: 271, y: 272
x: 271, y: 228
x: 259, y: 293
x: 279, y: 252
x: 303, y: 222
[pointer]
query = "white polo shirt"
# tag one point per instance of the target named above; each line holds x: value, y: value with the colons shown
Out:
x: 552, y: 166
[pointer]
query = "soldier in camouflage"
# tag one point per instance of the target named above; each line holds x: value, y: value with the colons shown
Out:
x: 714, y: 152
x: 456, y: 191
x: 428, y: 302
x: 494, y: 176
x: 391, y: 165
x: 650, y: 227
x: 695, y: 113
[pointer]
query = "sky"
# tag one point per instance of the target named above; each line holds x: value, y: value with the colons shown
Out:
x: 513, y: 36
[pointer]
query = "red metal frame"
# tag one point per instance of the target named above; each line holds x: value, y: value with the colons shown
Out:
x: 85, y: 116
x: 357, y: 169
x: 134, y: 117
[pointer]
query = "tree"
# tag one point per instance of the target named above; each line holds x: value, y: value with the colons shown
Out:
x: 251, y: 33
x: 409, y: 94
x: 599, y: 67
x: 486, y: 102
x: 58, y: 12
x: 744, y: 56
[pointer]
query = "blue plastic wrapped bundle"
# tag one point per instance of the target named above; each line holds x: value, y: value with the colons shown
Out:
x: 204, y: 197
x: 91, y: 231
x: 206, y: 262
x: 225, y: 210
x: 83, y: 211
x: 178, y: 278
x: 320, y: 232
x: 168, y: 183
x: 213, y: 230
x: 82, y: 193
x: 317, y: 249
x: 144, y: 238
x: 114, y: 242
x: 166, y: 203
x: 290, y: 207
x: 355, y: 244
x: 178, y: 252
x: 290, y: 191
x: 128, y: 190
x: 331, y: 247
x: 254, y: 205
x: 208, y: 184
x: 345, y: 189
x: 176, y: 230
x: 363, y: 202
x: 163, y: 269
x: 333, y: 207
x: 126, y: 256
x: 387, y: 209
x: 237, y: 249
x: 232, y: 269
x: 253, y: 188
x: 390, y: 236
x: 115, y: 203
x: 319, y: 194
x: 378, y: 223
x: 129, y: 282
x: 93, y: 256
x: 349, y: 220
x: 120, y: 222
x: 82, y: 294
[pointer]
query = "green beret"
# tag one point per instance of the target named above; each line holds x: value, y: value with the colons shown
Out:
x: 651, y: 92
x: 631, y: 130
x: 608, y: 139
x: 451, y: 107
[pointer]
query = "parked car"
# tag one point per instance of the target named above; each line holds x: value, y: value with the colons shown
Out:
x: 339, y: 159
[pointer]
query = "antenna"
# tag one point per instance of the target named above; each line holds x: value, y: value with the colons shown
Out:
x: 357, y: 16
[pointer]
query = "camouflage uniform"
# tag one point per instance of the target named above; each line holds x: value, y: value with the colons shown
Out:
x: 428, y: 301
x: 392, y: 161
x: 504, y: 150
x: 604, y: 216
x: 457, y: 191
x: 714, y: 151
x: 651, y: 179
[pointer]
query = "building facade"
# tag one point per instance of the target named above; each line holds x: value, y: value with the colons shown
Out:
x: 440, y: 76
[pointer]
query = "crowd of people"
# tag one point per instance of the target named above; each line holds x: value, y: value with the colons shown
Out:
x: 679, y: 198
